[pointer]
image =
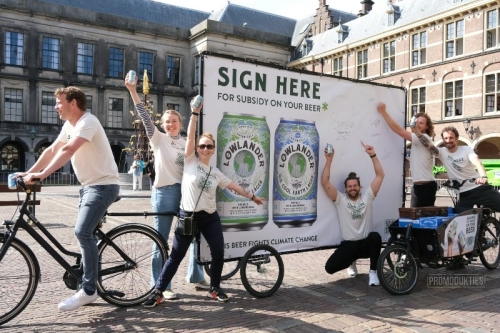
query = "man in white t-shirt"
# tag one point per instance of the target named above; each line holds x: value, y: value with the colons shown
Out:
x: 83, y: 141
x: 355, y: 215
x: 421, y: 160
x: 462, y: 163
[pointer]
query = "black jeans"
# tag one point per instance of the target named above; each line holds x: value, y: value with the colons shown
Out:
x: 211, y: 228
x: 484, y: 195
x: 350, y: 251
x: 423, y: 195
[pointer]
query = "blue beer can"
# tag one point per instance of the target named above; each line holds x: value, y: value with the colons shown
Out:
x: 131, y: 76
x: 329, y: 149
x: 196, y: 101
x: 11, y: 183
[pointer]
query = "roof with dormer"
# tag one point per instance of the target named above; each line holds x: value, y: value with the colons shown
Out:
x: 255, y: 19
x: 376, y: 22
x: 143, y: 10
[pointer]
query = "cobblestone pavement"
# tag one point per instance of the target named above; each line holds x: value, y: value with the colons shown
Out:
x: 308, y: 301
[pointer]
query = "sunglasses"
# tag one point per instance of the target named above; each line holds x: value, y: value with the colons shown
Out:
x: 209, y: 147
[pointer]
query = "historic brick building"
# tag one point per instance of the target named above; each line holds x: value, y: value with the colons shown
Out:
x: 445, y: 53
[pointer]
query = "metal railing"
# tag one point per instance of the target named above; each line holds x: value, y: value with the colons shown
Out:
x: 55, y: 179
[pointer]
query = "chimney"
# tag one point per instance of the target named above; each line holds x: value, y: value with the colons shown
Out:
x: 366, y: 7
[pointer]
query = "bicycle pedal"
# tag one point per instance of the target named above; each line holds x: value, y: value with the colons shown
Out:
x: 112, y: 293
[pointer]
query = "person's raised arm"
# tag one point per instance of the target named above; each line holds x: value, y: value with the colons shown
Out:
x: 377, y: 166
x: 393, y: 125
x: 149, y: 126
x: 330, y: 190
x: 191, y: 131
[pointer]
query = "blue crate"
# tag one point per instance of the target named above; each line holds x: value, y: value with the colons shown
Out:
x: 403, y: 222
x: 431, y: 222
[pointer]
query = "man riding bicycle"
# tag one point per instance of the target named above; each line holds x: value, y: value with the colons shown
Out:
x: 83, y: 140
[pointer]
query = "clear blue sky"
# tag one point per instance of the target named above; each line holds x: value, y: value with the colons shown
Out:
x: 295, y: 9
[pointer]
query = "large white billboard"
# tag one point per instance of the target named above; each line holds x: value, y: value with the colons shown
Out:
x: 271, y: 127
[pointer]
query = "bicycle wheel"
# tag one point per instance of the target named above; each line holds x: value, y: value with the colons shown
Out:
x: 230, y: 268
x: 19, y: 275
x: 394, y: 277
x: 135, y: 241
x: 489, y: 250
x: 262, y: 271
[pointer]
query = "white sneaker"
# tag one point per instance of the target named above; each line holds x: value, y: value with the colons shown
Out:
x: 373, y: 278
x: 352, y: 271
x: 202, y: 285
x: 169, y: 294
x: 77, y: 300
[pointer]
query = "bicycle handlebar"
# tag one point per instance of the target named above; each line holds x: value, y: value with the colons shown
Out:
x: 457, y: 183
x: 20, y: 182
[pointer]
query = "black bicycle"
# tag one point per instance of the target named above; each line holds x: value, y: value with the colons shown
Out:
x: 461, y: 238
x: 125, y: 254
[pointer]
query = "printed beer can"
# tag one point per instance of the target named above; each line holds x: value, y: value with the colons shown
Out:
x: 295, y: 177
x: 243, y: 150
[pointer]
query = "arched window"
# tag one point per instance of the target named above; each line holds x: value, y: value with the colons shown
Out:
x: 10, y: 158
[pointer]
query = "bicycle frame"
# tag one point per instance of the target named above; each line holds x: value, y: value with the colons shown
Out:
x: 21, y: 223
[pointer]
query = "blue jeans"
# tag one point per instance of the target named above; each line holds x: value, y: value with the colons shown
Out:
x: 94, y: 202
x: 168, y: 199
x: 211, y: 228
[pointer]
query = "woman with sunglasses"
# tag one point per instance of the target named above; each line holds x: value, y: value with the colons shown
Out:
x: 200, y: 180
x: 168, y: 149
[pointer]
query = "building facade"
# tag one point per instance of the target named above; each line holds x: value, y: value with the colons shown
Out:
x: 445, y: 53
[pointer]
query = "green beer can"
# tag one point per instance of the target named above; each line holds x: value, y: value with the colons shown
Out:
x: 243, y: 148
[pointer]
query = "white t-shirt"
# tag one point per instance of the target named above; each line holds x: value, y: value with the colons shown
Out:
x: 193, y: 180
x: 355, y: 216
x: 93, y: 162
x: 458, y: 165
x: 169, y: 158
x: 421, y: 161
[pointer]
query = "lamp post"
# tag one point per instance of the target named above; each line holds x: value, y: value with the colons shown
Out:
x: 32, y: 133
x: 468, y: 128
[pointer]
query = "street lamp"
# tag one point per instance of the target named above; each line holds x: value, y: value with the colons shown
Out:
x: 468, y: 128
x: 32, y: 132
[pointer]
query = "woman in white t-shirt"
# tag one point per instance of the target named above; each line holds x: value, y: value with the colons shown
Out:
x: 200, y: 180
x: 168, y: 149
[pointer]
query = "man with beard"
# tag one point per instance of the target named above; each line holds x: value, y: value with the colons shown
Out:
x: 461, y: 163
x: 355, y: 215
